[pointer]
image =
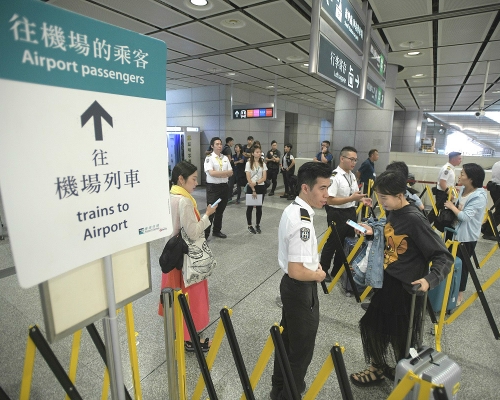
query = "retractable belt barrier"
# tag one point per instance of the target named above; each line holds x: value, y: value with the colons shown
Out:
x: 36, y: 341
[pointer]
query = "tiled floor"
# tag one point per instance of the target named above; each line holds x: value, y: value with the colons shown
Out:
x: 246, y: 280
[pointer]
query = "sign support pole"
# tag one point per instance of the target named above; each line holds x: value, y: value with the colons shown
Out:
x: 366, y: 52
x: 113, y: 354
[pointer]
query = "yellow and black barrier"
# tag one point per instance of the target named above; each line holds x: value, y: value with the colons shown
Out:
x: 67, y: 381
x: 426, y: 388
x: 479, y: 293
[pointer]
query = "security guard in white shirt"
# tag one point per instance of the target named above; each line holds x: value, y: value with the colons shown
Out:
x: 298, y: 258
x: 446, y: 179
x: 341, y: 206
x: 218, y: 169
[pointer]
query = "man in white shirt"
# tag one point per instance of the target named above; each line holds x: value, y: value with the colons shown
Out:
x: 446, y: 180
x: 298, y: 258
x: 341, y: 206
x: 218, y: 169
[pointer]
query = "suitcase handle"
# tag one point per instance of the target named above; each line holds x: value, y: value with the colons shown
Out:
x: 414, y: 291
x: 420, y: 356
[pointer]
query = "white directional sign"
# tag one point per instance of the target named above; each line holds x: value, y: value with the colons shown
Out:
x: 83, y: 165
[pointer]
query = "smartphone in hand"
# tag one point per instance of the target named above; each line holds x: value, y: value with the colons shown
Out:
x: 356, y: 226
x: 216, y: 202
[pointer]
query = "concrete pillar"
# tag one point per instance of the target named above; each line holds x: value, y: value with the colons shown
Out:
x: 406, y: 131
x: 357, y: 123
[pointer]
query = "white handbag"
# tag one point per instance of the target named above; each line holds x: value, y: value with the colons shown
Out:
x: 199, y: 262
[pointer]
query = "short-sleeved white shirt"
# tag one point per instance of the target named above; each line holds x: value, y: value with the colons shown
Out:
x: 296, y: 237
x: 216, y: 163
x: 343, y: 184
x: 257, y: 171
x: 447, y: 172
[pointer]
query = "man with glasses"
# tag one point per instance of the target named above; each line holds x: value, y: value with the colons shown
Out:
x: 341, y: 206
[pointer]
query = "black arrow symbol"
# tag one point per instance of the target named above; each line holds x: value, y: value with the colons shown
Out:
x: 96, y: 111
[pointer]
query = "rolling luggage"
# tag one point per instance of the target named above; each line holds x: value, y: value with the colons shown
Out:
x: 436, y: 295
x: 428, y: 364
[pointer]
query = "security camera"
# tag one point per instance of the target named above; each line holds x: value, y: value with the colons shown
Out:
x: 479, y: 113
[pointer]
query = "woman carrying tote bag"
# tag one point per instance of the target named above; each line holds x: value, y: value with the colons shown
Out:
x: 185, y: 215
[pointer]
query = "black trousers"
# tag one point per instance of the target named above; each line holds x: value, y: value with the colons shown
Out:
x: 215, y: 191
x: 300, y: 320
x: 469, y: 246
x: 259, y: 189
x: 272, y: 175
x: 286, y: 181
x: 340, y: 216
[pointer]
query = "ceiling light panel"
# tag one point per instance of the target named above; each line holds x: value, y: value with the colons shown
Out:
x: 102, y: 14
x: 204, y: 66
x: 216, y: 7
x: 256, y: 57
x: 467, y: 29
x: 204, y: 34
x: 285, y: 71
x: 398, y: 58
x: 229, y: 62
x: 148, y: 11
x: 180, y: 44
x: 290, y: 23
x: 457, y: 54
x: 252, y: 32
x: 421, y: 32
x: 283, y: 51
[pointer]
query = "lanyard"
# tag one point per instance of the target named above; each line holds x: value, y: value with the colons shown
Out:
x: 350, y: 184
x: 219, y: 160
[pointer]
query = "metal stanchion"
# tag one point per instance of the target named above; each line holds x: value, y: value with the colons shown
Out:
x: 169, y: 329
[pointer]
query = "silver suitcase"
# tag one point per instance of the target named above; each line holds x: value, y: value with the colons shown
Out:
x: 429, y: 364
x: 433, y: 366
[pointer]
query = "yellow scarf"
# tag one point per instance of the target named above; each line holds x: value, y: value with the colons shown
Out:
x: 175, y: 189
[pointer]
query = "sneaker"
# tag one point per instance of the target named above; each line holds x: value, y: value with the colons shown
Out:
x: 257, y: 228
x: 251, y: 230
x: 237, y: 202
x: 284, y: 196
x: 271, y: 193
x: 219, y: 235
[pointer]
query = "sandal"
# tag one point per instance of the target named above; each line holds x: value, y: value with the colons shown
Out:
x: 205, y: 345
x: 365, y: 378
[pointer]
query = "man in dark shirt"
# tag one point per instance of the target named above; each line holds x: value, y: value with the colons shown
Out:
x: 324, y: 156
x: 367, y: 169
x: 228, y: 152
x: 273, y: 157
x: 247, y: 147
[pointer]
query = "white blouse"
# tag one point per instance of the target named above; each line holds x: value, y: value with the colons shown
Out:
x: 183, y: 215
x: 257, y: 172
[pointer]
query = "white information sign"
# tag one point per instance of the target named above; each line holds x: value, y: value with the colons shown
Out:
x: 83, y: 163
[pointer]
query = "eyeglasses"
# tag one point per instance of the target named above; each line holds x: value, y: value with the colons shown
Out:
x: 351, y: 158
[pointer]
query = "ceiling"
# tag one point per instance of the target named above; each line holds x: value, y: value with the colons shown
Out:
x: 256, y: 44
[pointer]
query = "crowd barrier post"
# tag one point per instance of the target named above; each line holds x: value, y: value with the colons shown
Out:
x: 36, y: 341
x: 281, y: 356
x: 101, y: 349
x: 167, y: 295
x: 202, y: 362
x: 179, y: 345
x: 132, y: 347
x: 238, y: 358
x: 496, y: 246
x: 212, y: 353
x: 407, y: 383
x: 263, y: 360
x: 73, y: 361
x: 3, y: 395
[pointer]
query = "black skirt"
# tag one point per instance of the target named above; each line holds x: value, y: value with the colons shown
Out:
x: 384, y: 327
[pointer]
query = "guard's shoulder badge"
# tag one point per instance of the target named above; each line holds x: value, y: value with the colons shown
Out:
x: 304, y: 215
x: 305, y: 234
x: 334, y: 173
x: 207, y: 159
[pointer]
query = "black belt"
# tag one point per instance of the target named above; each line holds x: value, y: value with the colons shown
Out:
x: 208, y: 183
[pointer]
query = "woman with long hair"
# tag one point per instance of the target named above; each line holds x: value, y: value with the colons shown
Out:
x: 256, y: 171
x: 410, y: 246
x: 185, y: 215
x: 239, y: 170
x: 470, y: 211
